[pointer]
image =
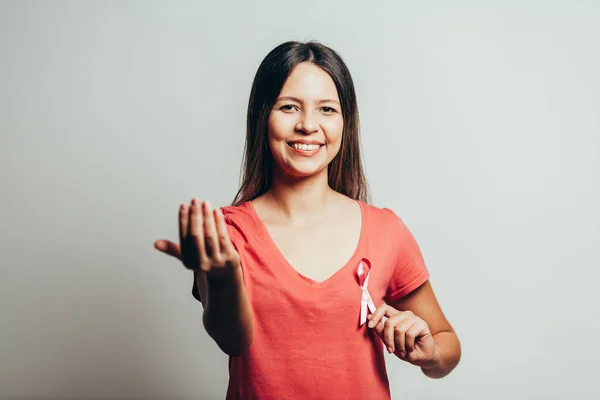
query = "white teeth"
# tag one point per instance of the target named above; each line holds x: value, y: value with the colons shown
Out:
x: 305, y: 147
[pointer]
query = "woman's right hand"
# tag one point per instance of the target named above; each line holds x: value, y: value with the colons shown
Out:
x: 204, y: 241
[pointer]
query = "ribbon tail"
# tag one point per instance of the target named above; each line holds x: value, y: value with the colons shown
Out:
x: 371, y: 305
x: 363, y: 314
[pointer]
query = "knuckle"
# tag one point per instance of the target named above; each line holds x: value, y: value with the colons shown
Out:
x: 229, y: 257
x: 218, y: 259
x: 205, y: 263
x: 204, y: 267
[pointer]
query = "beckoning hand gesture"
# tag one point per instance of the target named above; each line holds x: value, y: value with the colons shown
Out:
x: 204, y: 241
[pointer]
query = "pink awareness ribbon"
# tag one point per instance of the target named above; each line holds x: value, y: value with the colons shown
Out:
x: 366, y: 302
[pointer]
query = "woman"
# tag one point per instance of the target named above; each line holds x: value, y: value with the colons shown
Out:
x: 290, y: 275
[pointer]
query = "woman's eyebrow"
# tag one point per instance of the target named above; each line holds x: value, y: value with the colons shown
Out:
x: 291, y: 98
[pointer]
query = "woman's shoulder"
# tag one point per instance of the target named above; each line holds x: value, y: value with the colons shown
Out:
x: 242, y: 213
x: 237, y: 209
x: 241, y: 218
x: 384, y: 218
x: 378, y: 212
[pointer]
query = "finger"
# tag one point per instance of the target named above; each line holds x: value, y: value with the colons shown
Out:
x: 168, y: 247
x: 412, y: 333
x: 224, y: 242
x: 393, y: 334
x: 375, y: 318
x: 211, y: 240
x: 183, y: 222
x: 387, y: 327
x: 400, y: 335
x: 389, y: 335
x: 196, y: 233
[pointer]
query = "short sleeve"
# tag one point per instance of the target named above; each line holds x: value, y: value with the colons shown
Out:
x: 232, y: 229
x: 410, y: 270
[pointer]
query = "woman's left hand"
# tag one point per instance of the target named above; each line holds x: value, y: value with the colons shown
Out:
x: 406, y: 335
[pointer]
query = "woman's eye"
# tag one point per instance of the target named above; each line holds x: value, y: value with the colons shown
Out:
x: 328, y: 110
x: 287, y: 107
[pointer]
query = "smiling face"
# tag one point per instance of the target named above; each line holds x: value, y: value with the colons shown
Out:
x: 305, y: 125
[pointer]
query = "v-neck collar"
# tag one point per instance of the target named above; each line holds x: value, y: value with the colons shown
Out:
x: 289, y: 268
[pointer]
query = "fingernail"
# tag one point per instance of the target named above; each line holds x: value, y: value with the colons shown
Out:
x: 389, y: 350
x: 207, y: 204
x: 195, y: 202
x: 370, y: 324
x: 401, y: 354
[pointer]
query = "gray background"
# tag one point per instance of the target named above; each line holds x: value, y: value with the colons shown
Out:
x: 480, y: 126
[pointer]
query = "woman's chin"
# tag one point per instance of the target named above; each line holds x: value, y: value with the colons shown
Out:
x: 304, y: 171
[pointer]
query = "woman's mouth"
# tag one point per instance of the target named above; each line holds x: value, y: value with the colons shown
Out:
x: 304, y: 148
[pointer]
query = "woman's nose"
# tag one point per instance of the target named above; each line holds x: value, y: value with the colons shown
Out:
x: 307, y: 123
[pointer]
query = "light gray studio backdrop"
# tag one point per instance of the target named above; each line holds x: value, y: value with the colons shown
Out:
x: 480, y: 127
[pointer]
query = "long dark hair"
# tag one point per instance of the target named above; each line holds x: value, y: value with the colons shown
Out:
x: 345, y: 172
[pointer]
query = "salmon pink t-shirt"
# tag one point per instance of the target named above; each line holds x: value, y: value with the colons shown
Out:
x: 308, y: 341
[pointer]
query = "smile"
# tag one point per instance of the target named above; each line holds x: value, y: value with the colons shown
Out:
x: 304, y: 148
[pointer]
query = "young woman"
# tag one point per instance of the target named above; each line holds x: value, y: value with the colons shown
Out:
x: 303, y: 283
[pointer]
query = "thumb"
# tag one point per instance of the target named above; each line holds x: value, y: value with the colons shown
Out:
x: 168, y: 247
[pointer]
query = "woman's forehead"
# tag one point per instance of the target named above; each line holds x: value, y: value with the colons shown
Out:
x: 308, y: 82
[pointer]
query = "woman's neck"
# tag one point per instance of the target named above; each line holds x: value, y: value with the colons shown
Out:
x: 300, y: 198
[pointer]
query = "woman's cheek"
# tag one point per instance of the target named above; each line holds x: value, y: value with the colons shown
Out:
x: 334, y: 132
x: 279, y: 127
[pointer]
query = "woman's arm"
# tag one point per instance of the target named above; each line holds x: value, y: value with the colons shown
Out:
x: 227, y: 314
x: 206, y: 249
